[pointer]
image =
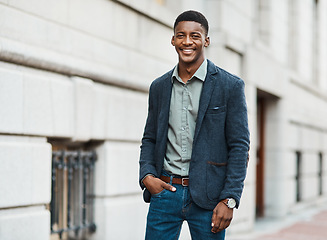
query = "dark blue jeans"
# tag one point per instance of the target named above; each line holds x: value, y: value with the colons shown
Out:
x: 167, y: 212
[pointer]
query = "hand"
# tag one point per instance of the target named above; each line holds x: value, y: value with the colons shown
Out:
x: 156, y: 185
x: 221, y: 217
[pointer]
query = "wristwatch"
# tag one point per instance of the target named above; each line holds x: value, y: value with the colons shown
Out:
x: 229, y: 202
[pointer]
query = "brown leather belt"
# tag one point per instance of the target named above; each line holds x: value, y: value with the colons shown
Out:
x: 182, y: 181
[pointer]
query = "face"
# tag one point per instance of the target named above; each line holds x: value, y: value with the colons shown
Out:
x: 189, y: 41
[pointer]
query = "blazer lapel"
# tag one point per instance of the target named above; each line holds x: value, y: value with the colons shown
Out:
x: 207, y: 89
x: 164, y: 107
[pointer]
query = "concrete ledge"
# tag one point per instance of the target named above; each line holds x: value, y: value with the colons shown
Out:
x: 31, y: 56
x: 84, y: 95
x: 153, y: 10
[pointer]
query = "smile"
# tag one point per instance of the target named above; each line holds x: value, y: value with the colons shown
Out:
x: 187, y: 50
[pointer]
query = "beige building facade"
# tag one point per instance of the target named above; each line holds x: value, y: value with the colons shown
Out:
x: 75, y: 75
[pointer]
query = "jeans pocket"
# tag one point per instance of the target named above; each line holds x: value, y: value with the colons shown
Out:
x: 159, y: 194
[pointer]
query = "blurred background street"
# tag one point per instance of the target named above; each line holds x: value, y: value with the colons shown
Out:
x: 308, y: 224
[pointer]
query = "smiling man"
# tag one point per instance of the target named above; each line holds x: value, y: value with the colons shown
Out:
x: 195, y: 145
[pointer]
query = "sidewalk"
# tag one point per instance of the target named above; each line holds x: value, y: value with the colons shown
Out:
x: 307, y: 225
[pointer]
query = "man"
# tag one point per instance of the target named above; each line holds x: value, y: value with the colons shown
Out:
x: 195, y: 145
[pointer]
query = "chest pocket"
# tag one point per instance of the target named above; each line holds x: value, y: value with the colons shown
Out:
x: 216, y: 109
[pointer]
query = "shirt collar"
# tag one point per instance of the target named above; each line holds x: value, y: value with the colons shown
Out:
x: 200, y: 74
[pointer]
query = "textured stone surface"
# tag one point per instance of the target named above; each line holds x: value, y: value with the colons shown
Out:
x: 11, y: 100
x: 25, y: 173
x: 116, y: 169
x: 84, y: 107
x: 25, y: 223
x: 111, y: 217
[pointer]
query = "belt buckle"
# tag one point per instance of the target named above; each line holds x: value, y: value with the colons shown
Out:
x: 184, y: 185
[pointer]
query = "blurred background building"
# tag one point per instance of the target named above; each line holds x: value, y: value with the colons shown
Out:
x: 74, y: 78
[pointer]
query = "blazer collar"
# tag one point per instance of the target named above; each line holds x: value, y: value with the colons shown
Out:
x: 200, y: 73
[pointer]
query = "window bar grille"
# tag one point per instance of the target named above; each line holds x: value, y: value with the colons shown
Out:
x: 53, y: 190
x: 85, y: 172
x: 72, y: 192
x: 70, y: 178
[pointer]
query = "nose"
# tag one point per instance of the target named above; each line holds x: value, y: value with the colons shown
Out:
x: 187, y: 40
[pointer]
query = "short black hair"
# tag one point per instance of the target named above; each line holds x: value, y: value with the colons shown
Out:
x: 193, y: 16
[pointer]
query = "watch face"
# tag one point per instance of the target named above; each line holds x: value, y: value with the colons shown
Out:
x: 231, y: 203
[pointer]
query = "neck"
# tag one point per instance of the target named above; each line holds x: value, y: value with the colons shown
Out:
x: 186, y: 71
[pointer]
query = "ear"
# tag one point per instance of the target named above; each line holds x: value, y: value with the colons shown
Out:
x: 173, y: 41
x: 207, y: 42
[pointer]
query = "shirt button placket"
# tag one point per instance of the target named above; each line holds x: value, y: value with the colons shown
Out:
x: 185, y: 102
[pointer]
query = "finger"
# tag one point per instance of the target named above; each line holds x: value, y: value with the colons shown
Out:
x: 168, y: 187
x: 213, y: 222
x: 222, y: 226
x: 217, y: 227
x: 214, y: 229
x: 216, y: 223
x: 227, y: 224
x: 213, y: 219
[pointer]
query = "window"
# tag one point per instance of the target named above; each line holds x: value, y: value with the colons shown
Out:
x: 298, y: 176
x: 315, y: 41
x: 320, y: 175
x: 72, y: 195
x: 264, y: 20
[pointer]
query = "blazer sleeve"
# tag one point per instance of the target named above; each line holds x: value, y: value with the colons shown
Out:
x: 238, y: 141
x: 147, y: 154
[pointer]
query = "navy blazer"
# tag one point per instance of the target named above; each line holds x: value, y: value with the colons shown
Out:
x: 221, y: 139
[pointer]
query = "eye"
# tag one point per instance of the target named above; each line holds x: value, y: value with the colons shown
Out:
x: 196, y: 36
x: 179, y: 35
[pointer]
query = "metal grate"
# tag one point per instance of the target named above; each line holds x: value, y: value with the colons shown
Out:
x: 72, y: 196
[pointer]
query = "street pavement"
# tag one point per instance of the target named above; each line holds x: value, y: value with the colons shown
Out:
x: 309, y: 224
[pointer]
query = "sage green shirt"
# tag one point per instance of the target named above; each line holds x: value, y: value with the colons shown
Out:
x: 184, y: 106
